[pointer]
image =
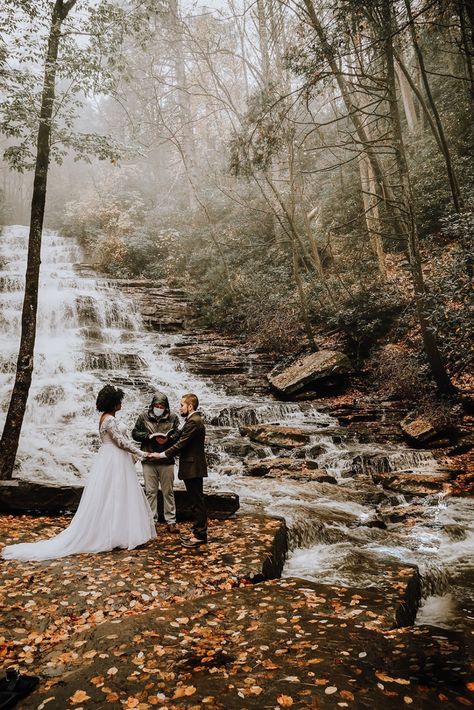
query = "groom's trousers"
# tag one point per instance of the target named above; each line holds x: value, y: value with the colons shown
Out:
x: 156, y: 476
x: 194, y: 488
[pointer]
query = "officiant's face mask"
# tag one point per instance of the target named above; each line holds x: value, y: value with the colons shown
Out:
x: 158, y: 412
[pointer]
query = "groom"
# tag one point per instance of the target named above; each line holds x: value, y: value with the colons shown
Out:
x: 192, y: 465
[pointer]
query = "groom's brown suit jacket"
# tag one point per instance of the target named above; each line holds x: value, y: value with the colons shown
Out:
x: 190, y: 449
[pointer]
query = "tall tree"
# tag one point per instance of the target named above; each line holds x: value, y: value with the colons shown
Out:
x: 24, y: 367
x: 45, y: 120
x: 430, y: 343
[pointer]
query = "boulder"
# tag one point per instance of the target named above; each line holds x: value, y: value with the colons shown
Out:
x: 309, y: 370
x: 419, y: 430
x: 243, y: 449
x: 415, y: 482
x: 284, y: 437
x: 288, y: 468
x: 19, y: 497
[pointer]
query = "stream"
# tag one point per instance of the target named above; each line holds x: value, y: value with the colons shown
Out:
x: 89, y: 333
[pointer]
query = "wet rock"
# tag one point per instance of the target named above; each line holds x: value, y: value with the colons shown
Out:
x: 316, y: 450
x: 284, y: 437
x: 414, y: 483
x: 370, y: 463
x: 455, y: 532
x: 230, y: 416
x: 463, y: 486
x: 308, y: 371
x: 419, y: 429
x: 243, y: 449
x: 296, y: 469
x: 402, y: 513
x: 19, y: 497
x: 111, y: 361
x: 375, y: 521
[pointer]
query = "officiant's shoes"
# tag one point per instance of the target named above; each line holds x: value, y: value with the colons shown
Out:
x: 172, y: 528
x: 193, y: 541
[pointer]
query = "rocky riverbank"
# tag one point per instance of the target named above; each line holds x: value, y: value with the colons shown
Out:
x: 230, y: 364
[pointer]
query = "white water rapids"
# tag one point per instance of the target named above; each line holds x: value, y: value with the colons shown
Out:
x: 89, y: 334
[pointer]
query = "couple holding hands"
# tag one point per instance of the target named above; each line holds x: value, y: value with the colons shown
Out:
x: 114, y: 511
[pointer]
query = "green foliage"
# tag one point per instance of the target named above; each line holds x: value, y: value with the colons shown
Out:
x: 365, y: 315
x: 450, y: 290
x: 263, y: 134
x: 90, y: 38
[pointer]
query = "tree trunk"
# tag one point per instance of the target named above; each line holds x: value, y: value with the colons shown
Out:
x: 372, y: 213
x: 291, y: 212
x: 430, y: 344
x: 354, y: 116
x: 453, y: 182
x: 466, y: 21
x: 25, y: 362
x: 407, y: 98
x: 263, y: 42
x: 302, y: 297
x: 185, y: 129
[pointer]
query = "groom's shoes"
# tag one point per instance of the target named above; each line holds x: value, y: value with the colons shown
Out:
x: 193, y: 541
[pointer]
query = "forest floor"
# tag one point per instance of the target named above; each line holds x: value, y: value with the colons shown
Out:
x: 173, y: 629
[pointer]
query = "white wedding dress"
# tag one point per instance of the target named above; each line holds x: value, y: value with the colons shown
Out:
x: 113, y: 511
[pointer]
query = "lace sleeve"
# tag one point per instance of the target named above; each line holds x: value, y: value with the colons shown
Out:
x: 110, y: 426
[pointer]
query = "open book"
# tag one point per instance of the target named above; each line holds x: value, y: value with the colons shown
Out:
x: 161, y: 437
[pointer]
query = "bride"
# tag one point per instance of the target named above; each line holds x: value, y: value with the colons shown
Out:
x: 113, y: 511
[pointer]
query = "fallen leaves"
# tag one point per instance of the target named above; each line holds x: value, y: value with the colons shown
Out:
x: 184, y: 691
x: 388, y: 679
x: 255, y: 643
x: 80, y: 696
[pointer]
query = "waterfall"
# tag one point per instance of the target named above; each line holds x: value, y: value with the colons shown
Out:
x: 88, y: 334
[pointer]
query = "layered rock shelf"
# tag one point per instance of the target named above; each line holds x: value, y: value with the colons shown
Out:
x: 20, y: 497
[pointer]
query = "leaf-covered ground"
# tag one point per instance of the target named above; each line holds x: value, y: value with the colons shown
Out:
x: 180, y: 629
x: 46, y: 603
x: 284, y: 643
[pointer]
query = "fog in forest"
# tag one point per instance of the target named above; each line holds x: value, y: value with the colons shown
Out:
x: 312, y: 158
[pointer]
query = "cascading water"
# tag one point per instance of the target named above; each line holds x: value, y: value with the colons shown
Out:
x: 90, y: 334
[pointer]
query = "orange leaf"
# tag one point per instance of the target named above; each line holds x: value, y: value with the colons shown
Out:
x: 184, y: 690
x: 80, y: 696
x: 286, y: 701
x: 347, y: 694
x: 269, y: 665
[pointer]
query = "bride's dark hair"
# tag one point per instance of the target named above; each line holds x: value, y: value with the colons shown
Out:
x: 108, y: 398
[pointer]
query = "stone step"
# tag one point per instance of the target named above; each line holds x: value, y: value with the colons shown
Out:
x: 21, y: 497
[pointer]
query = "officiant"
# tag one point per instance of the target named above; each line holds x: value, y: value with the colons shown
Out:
x: 156, y: 429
